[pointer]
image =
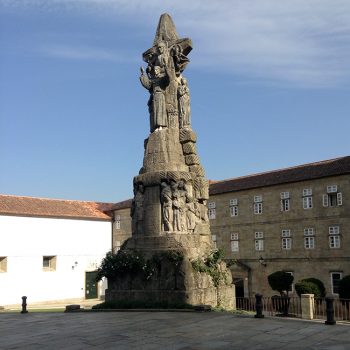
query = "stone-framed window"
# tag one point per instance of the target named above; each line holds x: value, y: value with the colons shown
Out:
x: 117, y: 246
x: 117, y: 222
x: 234, y: 207
x: 213, y: 238
x: 291, y: 288
x: 258, y: 205
x: 333, y: 198
x: 212, y: 210
x: 309, y: 238
x: 307, y: 198
x: 286, y: 240
x: 259, y: 241
x: 334, y: 237
x: 285, y: 201
x: 49, y: 262
x: 3, y: 264
x: 336, y: 276
x: 234, y: 242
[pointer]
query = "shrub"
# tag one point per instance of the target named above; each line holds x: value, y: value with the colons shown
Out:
x: 305, y: 287
x: 280, y: 281
x: 319, y: 284
x: 344, y: 287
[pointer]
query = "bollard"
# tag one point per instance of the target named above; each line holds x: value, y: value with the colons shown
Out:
x: 330, y: 311
x: 24, y: 305
x: 258, y: 306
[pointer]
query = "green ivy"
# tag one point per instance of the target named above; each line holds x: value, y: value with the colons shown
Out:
x: 211, y: 266
x: 133, y: 262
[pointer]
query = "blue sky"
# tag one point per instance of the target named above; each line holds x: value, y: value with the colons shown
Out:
x: 269, y: 83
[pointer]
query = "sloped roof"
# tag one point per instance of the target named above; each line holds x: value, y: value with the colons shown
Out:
x: 44, y: 207
x: 310, y: 171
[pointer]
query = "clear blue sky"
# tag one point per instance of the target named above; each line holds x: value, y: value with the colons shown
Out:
x: 269, y: 83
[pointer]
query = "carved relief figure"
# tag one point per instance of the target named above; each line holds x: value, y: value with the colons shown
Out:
x: 183, y: 93
x: 176, y: 206
x: 191, y: 214
x: 182, y: 194
x: 137, y: 208
x: 167, y: 203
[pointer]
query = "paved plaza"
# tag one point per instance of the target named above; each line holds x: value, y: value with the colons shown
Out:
x: 165, y: 330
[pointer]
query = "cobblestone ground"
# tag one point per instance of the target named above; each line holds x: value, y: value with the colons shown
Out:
x: 165, y: 330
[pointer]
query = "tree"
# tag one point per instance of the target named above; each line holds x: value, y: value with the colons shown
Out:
x: 280, y: 281
x: 305, y: 287
x: 320, y: 285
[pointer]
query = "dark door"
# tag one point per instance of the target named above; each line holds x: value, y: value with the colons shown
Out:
x: 90, y: 285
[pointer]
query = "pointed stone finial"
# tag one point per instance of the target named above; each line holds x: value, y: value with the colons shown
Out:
x: 166, y: 30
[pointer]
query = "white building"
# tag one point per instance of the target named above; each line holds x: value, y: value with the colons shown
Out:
x: 50, y: 249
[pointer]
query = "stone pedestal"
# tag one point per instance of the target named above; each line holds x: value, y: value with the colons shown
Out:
x: 307, y: 306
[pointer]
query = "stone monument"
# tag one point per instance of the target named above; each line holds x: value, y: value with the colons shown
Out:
x: 170, y: 226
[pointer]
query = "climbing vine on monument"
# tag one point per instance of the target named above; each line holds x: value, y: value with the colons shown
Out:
x: 211, y: 265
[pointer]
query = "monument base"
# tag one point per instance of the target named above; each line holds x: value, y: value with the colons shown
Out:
x: 173, y: 272
x: 223, y: 296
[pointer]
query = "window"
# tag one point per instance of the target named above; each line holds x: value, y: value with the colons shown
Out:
x: 3, y: 264
x: 257, y: 208
x: 334, y: 237
x: 259, y: 241
x: 234, y: 242
x: 285, y: 204
x: 212, y: 210
x: 286, y: 239
x: 233, y: 202
x: 335, y: 279
x: 286, y: 233
x: 234, y: 210
x: 49, y: 263
x: 213, y: 238
x: 307, y: 192
x: 234, y: 207
x: 117, y: 246
x: 258, y: 199
x: 307, y: 198
x: 117, y: 224
x: 290, y: 290
x: 258, y: 204
x: 309, y: 242
x: 309, y: 239
x: 332, y: 198
x: 234, y: 236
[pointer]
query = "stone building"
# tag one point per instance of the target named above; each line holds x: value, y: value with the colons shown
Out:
x: 50, y: 249
x: 294, y: 219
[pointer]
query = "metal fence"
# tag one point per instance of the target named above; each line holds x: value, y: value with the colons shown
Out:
x: 272, y: 306
x: 341, y: 309
x: 291, y: 307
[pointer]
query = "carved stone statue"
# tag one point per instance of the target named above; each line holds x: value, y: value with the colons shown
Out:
x: 183, y: 93
x: 166, y: 60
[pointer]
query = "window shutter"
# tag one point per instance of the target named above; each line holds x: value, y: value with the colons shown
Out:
x: 325, y: 200
x: 339, y: 198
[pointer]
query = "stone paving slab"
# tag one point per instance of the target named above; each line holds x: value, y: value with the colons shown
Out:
x: 166, y: 331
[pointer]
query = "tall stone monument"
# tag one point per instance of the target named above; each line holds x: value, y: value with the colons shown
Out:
x: 170, y: 226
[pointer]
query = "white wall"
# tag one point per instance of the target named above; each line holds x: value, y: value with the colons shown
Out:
x: 25, y: 240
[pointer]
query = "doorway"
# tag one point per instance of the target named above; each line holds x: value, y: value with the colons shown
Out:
x: 91, y: 291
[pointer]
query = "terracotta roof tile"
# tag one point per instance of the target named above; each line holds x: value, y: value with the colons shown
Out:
x: 30, y: 206
x: 337, y: 166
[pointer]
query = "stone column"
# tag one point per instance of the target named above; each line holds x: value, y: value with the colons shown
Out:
x: 307, y: 306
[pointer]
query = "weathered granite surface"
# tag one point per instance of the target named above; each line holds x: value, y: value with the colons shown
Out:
x: 169, y: 211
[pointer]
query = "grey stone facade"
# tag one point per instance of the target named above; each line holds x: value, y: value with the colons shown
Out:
x: 307, y: 253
